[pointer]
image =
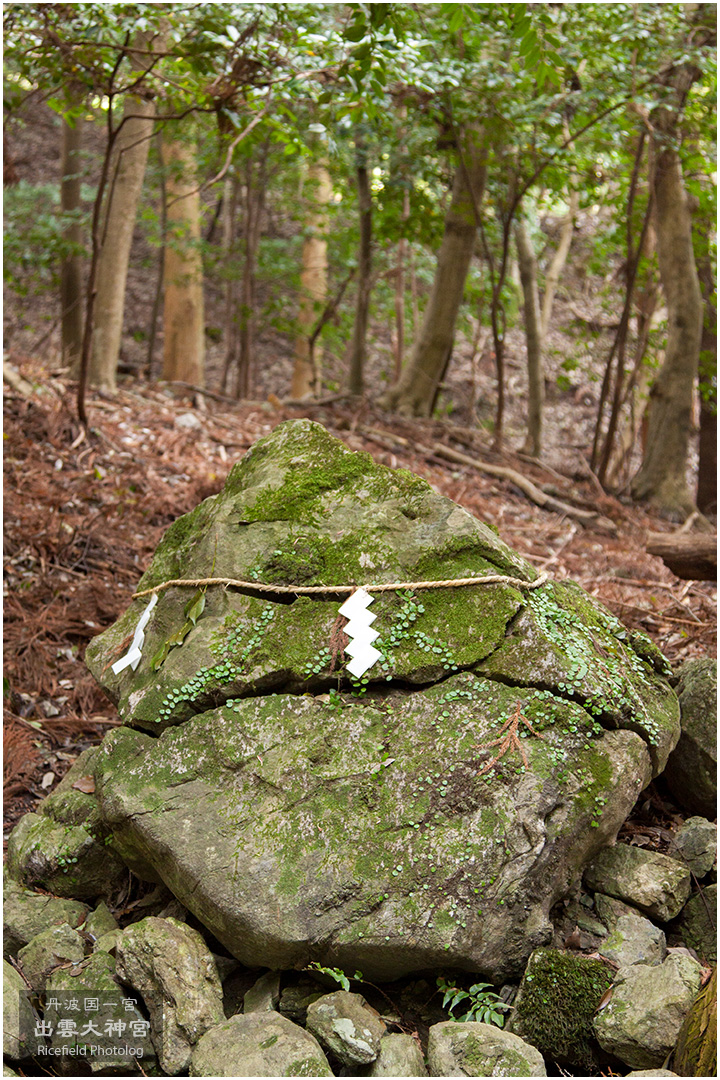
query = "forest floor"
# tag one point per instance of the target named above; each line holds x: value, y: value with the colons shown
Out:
x: 85, y: 511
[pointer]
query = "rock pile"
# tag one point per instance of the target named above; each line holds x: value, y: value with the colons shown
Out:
x: 427, y: 817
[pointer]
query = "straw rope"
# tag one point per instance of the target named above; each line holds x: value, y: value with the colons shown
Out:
x: 308, y: 590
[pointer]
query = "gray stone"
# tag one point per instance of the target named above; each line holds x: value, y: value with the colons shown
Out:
x: 609, y: 909
x: 241, y: 805
x: 656, y: 884
x: 696, y: 845
x: 64, y: 859
x: 27, y: 913
x: 691, y: 770
x: 697, y: 925
x: 174, y: 971
x: 97, y: 1012
x: 108, y: 942
x: 264, y: 995
x: 634, y: 940
x: 400, y: 1055
x: 472, y: 1049
x: 294, y: 1000
x: 345, y: 1024
x: 651, y: 1072
x: 259, y: 1044
x: 642, y: 1019
x: 56, y: 946
x: 18, y: 1016
x: 7, y: 1071
x: 100, y: 921
x: 70, y: 805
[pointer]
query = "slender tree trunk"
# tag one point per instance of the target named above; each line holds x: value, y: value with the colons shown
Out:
x: 662, y: 478
x: 306, y: 376
x: 159, y: 280
x: 533, y: 338
x: 415, y: 391
x: 184, y: 313
x: 558, y: 261
x: 254, y: 205
x: 707, y: 446
x: 230, y: 198
x: 71, y: 284
x: 400, y: 293
x: 127, y: 171
x: 362, y: 308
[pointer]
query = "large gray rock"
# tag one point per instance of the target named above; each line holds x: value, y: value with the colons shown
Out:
x: 170, y: 965
x: 655, y: 883
x: 642, y: 1019
x: 691, y: 770
x: 263, y: 995
x: 369, y: 829
x: 27, y: 913
x: 651, y: 1072
x: 634, y: 940
x: 346, y: 1026
x: 472, y: 1049
x: 56, y: 946
x: 95, y: 1020
x: 696, y: 845
x: 259, y: 1044
x: 697, y: 925
x: 399, y: 1055
x: 18, y: 1016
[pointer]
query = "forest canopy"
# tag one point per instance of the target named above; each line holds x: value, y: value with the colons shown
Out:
x: 366, y: 198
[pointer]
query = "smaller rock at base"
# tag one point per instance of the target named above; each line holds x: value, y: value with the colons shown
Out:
x: 7, y: 1071
x: 26, y: 914
x: 400, y: 1055
x: 171, y: 966
x: 696, y: 843
x: 691, y: 770
x: 641, y: 1021
x: 609, y: 909
x: 634, y: 940
x: 473, y: 1049
x: 697, y: 925
x: 18, y: 1016
x: 651, y: 1072
x: 100, y: 921
x: 655, y: 883
x: 264, y: 995
x: 346, y: 1026
x: 64, y: 859
x: 295, y: 1000
x: 49, y: 950
x: 258, y: 1044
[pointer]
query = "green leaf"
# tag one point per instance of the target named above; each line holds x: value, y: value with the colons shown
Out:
x: 195, y: 606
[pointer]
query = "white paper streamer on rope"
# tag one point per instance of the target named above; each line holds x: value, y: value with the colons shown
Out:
x: 134, y: 654
x: 361, y: 648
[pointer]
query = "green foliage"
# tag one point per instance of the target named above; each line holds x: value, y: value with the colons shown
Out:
x: 481, y: 1004
x: 33, y: 240
x: 337, y: 974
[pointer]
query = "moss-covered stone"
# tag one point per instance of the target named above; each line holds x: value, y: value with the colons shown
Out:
x: 555, y: 1005
x: 259, y: 1044
x: 366, y: 833
x: 64, y: 859
x: 473, y: 1049
x: 26, y: 914
x: 691, y: 771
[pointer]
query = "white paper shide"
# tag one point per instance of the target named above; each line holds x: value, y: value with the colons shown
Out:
x: 359, y: 630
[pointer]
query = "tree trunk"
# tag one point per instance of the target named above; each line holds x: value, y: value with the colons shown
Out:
x: 691, y: 556
x: 415, y: 391
x: 230, y: 199
x: 695, y: 1052
x: 183, y: 312
x: 127, y: 171
x: 558, y: 261
x: 306, y: 376
x: 533, y: 339
x: 662, y: 478
x: 399, y: 344
x: 71, y: 286
x: 362, y: 307
x: 254, y: 205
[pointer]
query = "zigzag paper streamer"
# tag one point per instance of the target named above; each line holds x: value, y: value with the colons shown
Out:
x: 363, y: 652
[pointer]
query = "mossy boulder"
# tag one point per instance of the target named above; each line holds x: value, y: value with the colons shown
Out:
x: 697, y: 925
x: 430, y: 813
x: 554, y: 1009
x: 67, y: 860
x: 473, y: 1049
x: 259, y: 1044
x: 653, y: 882
x: 27, y: 913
